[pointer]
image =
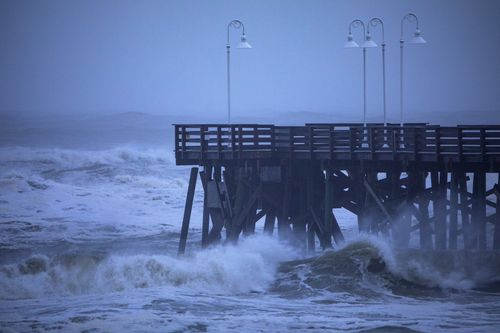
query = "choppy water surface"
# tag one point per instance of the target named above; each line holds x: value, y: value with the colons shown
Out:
x: 88, y: 242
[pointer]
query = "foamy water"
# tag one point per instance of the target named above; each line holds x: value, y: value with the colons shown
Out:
x: 88, y: 243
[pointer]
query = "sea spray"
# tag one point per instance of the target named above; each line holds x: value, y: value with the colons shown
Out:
x: 73, y: 195
x: 248, y: 266
x: 371, y: 267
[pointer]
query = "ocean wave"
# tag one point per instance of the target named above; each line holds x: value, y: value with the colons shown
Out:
x: 80, y: 190
x: 371, y: 267
x: 249, y: 266
x: 71, y: 158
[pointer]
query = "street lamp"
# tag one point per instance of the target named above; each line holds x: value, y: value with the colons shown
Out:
x: 416, y: 39
x: 374, y: 22
x: 367, y: 43
x: 243, y: 44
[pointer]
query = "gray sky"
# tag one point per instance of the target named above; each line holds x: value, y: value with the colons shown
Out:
x: 168, y: 57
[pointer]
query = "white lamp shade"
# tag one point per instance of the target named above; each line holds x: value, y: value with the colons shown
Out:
x: 243, y: 44
x: 369, y: 43
x: 351, y: 44
x: 417, y: 38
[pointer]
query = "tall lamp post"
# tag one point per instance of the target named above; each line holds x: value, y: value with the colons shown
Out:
x: 243, y: 44
x: 367, y: 43
x: 374, y: 22
x: 416, y: 39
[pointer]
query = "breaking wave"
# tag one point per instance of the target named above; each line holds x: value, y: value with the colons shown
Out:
x: 81, y: 166
x: 249, y: 266
x: 71, y: 194
x: 370, y: 267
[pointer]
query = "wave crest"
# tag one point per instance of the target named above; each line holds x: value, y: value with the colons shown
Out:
x: 249, y: 266
x: 370, y: 267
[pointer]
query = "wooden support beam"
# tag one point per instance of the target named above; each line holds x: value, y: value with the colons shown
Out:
x: 270, y: 221
x: 371, y: 215
x: 311, y: 240
x: 248, y: 206
x: 401, y: 225
x: 475, y: 212
x: 358, y: 177
x: 187, y: 211
x: 465, y: 212
x: 318, y: 227
x: 299, y: 219
x: 328, y: 207
x: 259, y: 215
x: 481, y: 223
x: 336, y: 232
x: 407, y: 216
x: 214, y: 235
x: 249, y: 221
x: 284, y: 230
x: 377, y: 200
x: 439, y: 180
x: 423, y: 209
x: 496, y: 234
x: 205, y: 177
x: 240, y: 201
x: 453, y: 235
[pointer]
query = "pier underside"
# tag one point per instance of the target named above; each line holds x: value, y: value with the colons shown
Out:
x: 429, y: 186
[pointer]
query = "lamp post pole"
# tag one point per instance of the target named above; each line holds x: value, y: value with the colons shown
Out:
x: 417, y: 39
x: 243, y: 44
x: 367, y: 43
x: 374, y: 22
x: 350, y: 43
x: 364, y: 86
x: 228, y: 52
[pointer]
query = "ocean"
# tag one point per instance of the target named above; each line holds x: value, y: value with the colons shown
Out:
x: 88, y: 243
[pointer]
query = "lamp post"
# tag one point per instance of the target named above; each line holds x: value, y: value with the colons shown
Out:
x: 374, y: 22
x: 367, y: 43
x: 417, y: 39
x: 243, y: 44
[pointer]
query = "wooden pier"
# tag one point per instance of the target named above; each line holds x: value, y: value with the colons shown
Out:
x: 417, y: 181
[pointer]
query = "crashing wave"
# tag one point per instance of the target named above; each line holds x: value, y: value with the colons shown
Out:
x: 369, y: 267
x: 249, y: 266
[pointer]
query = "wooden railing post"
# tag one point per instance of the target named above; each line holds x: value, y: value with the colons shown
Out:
x: 352, y: 140
x: 273, y: 141
x: 331, y: 142
x: 232, y: 139
x: 460, y: 144
x: 311, y: 141
x: 183, y: 142
x: 371, y: 141
x: 437, y: 143
x: 219, y: 147
x: 202, y: 143
x: 482, y: 141
x: 176, y: 144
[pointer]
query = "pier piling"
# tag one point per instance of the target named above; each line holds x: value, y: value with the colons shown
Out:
x: 293, y: 177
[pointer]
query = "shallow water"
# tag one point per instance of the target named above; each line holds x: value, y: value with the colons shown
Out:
x: 88, y: 242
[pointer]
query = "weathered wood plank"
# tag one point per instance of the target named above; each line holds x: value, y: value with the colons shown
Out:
x: 187, y: 210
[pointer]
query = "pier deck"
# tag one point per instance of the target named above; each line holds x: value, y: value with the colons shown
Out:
x: 269, y: 144
x: 387, y: 175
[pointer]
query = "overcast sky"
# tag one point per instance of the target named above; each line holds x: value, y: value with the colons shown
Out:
x: 168, y: 57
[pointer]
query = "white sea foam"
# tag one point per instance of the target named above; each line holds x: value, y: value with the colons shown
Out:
x: 68, y: 194
x: 248, y: 266
x: 444, y: 269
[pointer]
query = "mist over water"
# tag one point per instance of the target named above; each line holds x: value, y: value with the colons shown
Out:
x: 91, y: 201
x: 89, y: 235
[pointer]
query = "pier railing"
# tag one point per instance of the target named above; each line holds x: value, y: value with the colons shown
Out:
x: 195, y: 144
